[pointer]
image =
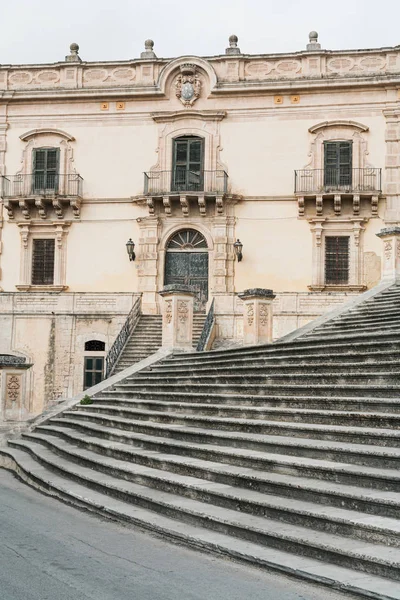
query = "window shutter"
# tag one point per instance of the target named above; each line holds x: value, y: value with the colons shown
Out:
x: 337, y: 260
x: 45, y: 169
x: 337, y: 164
x: 43, y: 262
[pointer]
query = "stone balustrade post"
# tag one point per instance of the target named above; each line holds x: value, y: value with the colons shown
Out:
x: 177, y: 317
x: 391, y: 253
x: 257, y: 316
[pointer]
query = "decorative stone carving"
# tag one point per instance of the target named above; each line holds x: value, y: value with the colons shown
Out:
x: 257, y: 326
x: 188, y: 84
x: 13, y: 388
x: 177, y: 332
x: 391, y: 250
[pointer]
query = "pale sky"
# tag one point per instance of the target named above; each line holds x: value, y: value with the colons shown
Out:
x: 40, y: 31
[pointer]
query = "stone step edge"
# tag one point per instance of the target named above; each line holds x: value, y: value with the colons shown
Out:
x: 386, y: 500
x: 221, y: 453
x: 275, y: 504
x: 341, y: 451
x: 338, y: 578
x: 373, y: 555
x: 383, y: 431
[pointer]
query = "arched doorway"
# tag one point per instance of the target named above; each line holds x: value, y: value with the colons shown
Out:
x: 186, y: 262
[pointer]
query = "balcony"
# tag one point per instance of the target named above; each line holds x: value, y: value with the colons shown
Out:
x: 183, y: 182
x: 339, y: 185
x: 42, y: 192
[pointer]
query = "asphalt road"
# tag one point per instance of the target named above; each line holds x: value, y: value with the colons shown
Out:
x: 50, y: 551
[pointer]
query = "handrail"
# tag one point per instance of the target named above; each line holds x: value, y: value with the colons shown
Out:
x: 207, y: 329
x: 116, y: 349
x: 41, y: 184
x: 342, y: 180
x: 186, y: 181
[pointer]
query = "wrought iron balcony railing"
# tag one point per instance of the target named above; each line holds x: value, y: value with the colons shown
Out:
x: 41, y: 184
x: 159, y: 183
x: 326, y: 181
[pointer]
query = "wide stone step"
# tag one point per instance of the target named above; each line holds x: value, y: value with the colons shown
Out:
x: 348, y: 327
x: 369, y: 501
x: 80, y: 495
x: 315, y: 346
x: 376, y: 429
x: 309, y: 387
x: 364, y: 404
x: 305, y: 359
x: 339, y: 521
x: 376, y: 559
x: 266, y: 367
x: 256, y: 437
x: 228, y: 452
x: 292, y: 414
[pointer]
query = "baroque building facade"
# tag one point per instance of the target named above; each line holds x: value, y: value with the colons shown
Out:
x: 297, y: 155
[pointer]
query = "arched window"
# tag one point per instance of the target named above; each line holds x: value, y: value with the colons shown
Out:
x: 95, y: 346
x: 187, y: 239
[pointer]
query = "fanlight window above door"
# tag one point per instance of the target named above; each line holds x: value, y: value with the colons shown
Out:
x: 188, y: 239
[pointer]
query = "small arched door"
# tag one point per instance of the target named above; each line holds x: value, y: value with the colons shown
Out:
x: 186, y: 262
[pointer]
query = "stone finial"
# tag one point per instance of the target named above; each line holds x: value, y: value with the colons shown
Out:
x: 148, y: 50
x: 313, y: 45
x: 74, y: 54
x: 233, y: 45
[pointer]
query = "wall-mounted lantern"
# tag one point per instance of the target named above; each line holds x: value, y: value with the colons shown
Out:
x: 130, y: 248
x: 238, y: 246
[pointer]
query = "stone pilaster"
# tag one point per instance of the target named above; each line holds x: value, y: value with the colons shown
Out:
x: 391, y: 253
x: 148, y: 263
x: 392, y: 166
x: 257, y: 316
x: 177, y: 317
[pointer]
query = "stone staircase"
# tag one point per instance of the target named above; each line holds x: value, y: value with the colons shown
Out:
x: 285, y: 456
x: 146, y: 339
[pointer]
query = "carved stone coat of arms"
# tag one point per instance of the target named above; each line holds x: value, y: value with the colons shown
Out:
x: 188, y: 85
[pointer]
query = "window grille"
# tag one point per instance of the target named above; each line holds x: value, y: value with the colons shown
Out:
x: 337, y: 260
x: 95, y: 346
x: 43, y: 262
x: 93, y: 371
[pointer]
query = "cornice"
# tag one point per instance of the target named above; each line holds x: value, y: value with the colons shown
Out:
x: 200, y: 115
x: 46, y: 130
x: 338, y: 123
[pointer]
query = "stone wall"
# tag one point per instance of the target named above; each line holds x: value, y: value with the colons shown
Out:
x: 50, y: 331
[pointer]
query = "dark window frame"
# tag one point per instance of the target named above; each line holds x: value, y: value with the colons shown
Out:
x: 43, y: 261
x: 338, y: 164
x: 93, y: 373
x: 337, y: 260
x: 90, y: 346
x: 45, y: 169
x: 188, y: 163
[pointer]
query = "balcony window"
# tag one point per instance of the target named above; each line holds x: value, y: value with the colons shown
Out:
x: 338, y: 164
x: 43, y: 251
x: 337, y: 260
x: 45, y: 169
x: 188, y: 164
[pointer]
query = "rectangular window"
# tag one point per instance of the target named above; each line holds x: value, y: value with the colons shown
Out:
x: 43, y: 261
x: 337, y: 260
x: 188, y: 171
x: 45, y: 169
x: 93, y: 371
x: 338, y: 164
